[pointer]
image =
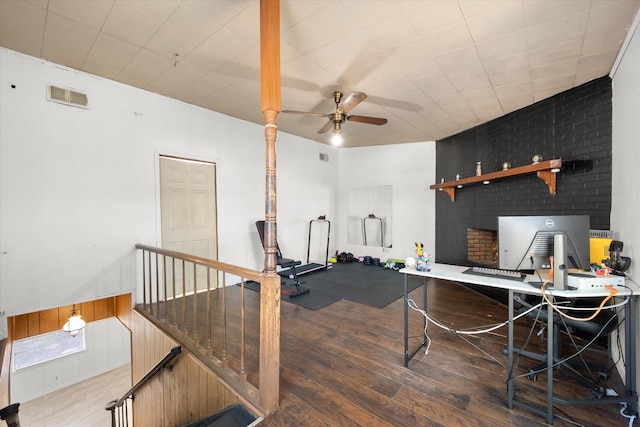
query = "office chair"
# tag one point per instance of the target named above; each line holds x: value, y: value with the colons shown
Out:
x: 285, y: 263
x: 603, y: 324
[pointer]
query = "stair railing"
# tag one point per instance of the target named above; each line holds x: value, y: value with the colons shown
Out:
x: 187, y: 296
x: 119, y: 409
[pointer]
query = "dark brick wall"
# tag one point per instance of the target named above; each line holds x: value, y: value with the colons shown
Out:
x: 574, y: 125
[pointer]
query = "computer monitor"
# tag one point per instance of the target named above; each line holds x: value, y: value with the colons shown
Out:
x: 527, y: 242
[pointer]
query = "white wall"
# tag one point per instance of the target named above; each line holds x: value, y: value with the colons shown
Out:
x: 626, y: 137
x: 108, y: 346
x: 625, y: 197
x: 409, y: 169
x: 78, y: 188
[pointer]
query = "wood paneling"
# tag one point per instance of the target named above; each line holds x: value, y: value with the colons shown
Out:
x: 41, y: 322
x: 185, y: 393
x: 48, y: 320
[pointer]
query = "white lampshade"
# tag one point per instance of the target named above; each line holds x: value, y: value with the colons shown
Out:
x: 74, y: 322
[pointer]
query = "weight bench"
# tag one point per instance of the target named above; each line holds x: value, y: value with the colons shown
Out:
x: 285, y: 263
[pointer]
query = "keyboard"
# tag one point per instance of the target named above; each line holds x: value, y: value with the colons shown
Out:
x: 498, y: 273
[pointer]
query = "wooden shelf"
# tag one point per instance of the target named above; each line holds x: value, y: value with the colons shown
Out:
x: 546, y: 171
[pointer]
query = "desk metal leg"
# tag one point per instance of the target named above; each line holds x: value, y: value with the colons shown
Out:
x: 406, y: 319
x: 405, y: 284
x: 550, y: 339
x: 510, y: 351
x: 630, y: 354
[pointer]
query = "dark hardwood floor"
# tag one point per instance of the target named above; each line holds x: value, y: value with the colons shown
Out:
x: 342, y: 365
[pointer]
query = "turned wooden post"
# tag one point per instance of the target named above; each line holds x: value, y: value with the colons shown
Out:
x: 270, y: 286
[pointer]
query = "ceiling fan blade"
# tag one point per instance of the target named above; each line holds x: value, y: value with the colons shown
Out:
x: 304, y: 113
x: 369, y: 120
x: 326, y: 127
x: 351, y: 101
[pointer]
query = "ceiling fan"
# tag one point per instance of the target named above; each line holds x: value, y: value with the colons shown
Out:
x: 337, y: 118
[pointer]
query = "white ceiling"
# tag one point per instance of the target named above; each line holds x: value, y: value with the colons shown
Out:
x: 432, y: 68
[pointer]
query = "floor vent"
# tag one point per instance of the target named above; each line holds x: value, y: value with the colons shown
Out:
x: 67, y: 97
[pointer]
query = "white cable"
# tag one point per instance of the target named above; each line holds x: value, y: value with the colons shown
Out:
x: 415, y: 307
x: 631, y: 418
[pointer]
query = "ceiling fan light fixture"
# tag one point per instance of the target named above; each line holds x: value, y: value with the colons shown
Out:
x: 336, y: 138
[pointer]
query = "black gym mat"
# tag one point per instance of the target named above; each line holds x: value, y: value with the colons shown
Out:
x: 365, y: 284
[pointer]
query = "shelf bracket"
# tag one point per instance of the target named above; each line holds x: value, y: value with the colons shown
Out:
x: 549, y: 178
x: 451, y: 192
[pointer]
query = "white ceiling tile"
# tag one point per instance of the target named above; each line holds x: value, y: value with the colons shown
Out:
x: 507, y: 64
x: 584, y: 76
x: 365, y: 15
x: 90, y: 13
x: 174, y: 79
x: 303, y: 37
x: 217, y: 12
x: 170, y: 41
x: 503, y: 47
x: 492, y: 22
x: 108, y: 56
x: 544, y: 11
x: 332, y: 22
x: 547, y: 85
x: 558, y: 52
x: 67, y: 42
x: 549, y: 33
x: 431, y: 16
x: 191, y: 21
x: 560, y: 68
x: 606, y: 15
x: 467, y: 57
x: 425, y: 65
x: 472, y: 86
x: 218, y: 49
x: 42, y: 4
x: 511, y: 78
x: 131, y: 24
x: 144, y: 68
x: 15, y: 16
x: 246, y: 27
x: 518, y: 94
x: 597, y: 62
x: 161, y: 10
x: 202, y: 88
x: 450, y: 39
x: 390, y: 32
x: 603, y: 42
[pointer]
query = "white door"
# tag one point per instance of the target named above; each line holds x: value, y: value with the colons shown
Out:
x: 188, y: 214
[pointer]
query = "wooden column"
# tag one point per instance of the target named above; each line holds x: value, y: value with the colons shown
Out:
x: 270, y: 286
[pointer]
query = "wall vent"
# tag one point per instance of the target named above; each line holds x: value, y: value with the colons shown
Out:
x: 324, y: 157
x: 67, y: 97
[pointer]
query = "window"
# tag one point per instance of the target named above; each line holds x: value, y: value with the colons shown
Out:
x: 45, y: 347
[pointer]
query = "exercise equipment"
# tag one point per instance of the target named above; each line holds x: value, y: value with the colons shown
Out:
x: 321, y: 220
x: 375, y: 220
x: 286, y: 263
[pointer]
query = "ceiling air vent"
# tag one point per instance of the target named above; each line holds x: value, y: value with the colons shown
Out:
x: 67, y: 96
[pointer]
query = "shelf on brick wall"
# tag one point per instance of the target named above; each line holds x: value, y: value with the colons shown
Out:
x: 546, y: 171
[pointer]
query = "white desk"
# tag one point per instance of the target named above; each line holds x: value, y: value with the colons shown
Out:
x: 456, y: 273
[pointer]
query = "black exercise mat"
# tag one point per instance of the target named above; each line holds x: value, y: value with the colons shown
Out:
x: 313, y: 300
x: 365, y: 284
